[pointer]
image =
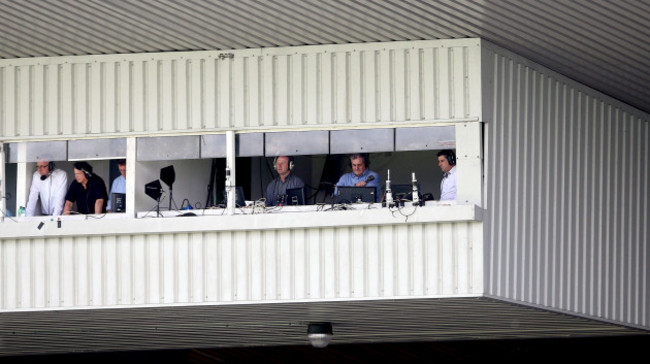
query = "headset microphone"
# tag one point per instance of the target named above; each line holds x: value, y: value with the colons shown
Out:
x: 451, y: 158
x: 275, y: 163
x: 50, y: 168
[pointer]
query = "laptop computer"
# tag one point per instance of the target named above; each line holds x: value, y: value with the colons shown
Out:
x: 118, y: 202
x: 295, y: 196
x: 240, y: 200
x: 355, y: 194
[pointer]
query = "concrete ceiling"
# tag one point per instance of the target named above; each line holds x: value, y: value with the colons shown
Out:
x: 601, y: 43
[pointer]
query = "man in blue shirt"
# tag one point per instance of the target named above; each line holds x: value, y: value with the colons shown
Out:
x: 360, y: 176
x: 276, y: 190
x: 119, y: 183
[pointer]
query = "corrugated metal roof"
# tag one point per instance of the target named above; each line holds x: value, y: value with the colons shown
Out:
x: 237, y: 325
x: 603, y: 44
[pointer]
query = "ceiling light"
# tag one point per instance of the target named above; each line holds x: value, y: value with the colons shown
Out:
x: 319, y: 334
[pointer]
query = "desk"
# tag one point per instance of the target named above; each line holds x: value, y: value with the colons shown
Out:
x: 71, y: 217
x: 255, y: 209
x: 246, y: 219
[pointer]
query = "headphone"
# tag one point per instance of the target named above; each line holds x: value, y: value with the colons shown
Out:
x: 86, y: 168
x: 450, y: 155
x: 364, y: 156
x: 275, y: 163
x: 50, y: 168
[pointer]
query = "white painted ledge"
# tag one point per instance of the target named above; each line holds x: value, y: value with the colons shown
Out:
x: 247, y: 219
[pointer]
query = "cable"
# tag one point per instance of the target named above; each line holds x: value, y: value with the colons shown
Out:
x: 399, y: 209
x: 95, y: 217
x: 150, y: 210
x: 260, y: 205
x: 4, y: 214
x: 311, y: 197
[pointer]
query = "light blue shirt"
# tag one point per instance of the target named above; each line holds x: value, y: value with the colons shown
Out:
x: 118, y: 186
x: 350, y: 179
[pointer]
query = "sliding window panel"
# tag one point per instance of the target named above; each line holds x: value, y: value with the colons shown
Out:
x: 11, y: 152
x: 425, y: 138
x: 246, y: 145
x: 362, y: 141
x: 297, y: 143
x: 94, y: 149
x: 249, y: 145
x: 168, y: 148
x: 33, y: 151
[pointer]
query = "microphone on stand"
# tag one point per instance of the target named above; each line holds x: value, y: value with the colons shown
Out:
x: 415, y: 192
x: 389, y: 194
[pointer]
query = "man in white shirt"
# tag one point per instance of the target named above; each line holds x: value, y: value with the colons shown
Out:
x: 447, y: 163
x: 49, y: 185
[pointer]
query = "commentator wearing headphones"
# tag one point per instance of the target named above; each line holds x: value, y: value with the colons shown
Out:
x: 277, y: 189
x: 48, y: 184
x: 447, y: 163
x: 360, y: 176
x: 87, y: 190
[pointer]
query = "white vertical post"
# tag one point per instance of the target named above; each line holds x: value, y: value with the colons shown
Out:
x: 231, y: 182
x: 130, y: 173
x: 3, y: 185
x: 469, y: 161
x: 23, y: 177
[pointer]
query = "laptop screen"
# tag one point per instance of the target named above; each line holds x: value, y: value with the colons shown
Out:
x: 295, y: 196
x: 240, y: 200
x: 355, y: 194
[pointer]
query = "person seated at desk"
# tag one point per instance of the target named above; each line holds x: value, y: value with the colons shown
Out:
x: 447, y: 164
x: 360, y: 176
x: 119, y: 183
x: 49, y: 184
x: 87, y: 190
x: 277, y: 189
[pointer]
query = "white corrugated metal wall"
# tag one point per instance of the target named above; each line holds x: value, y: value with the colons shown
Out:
x: 265, y: 89
x: 415, y: 260
x: 257, y: 88
x: 567, y: 193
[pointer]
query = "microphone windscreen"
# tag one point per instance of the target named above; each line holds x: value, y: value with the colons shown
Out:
x: 44, y: 177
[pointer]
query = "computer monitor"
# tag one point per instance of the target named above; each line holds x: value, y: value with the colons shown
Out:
x: 355, y: 194
x: 295, y: 196
x: 118, y: 202
x: 240, y: 200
